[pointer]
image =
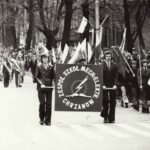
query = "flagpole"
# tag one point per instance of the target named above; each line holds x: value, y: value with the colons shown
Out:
x: 104, y: 20
x: 97, y: 24
x: 128, y: 66
x: 87, y: 51
x: 140, y: 67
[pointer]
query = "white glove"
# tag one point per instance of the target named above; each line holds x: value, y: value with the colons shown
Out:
x: 42, y: 86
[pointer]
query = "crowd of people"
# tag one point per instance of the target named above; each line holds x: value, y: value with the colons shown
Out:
x: 131, y: 88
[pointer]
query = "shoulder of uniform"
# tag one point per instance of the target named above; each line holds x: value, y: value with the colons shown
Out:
x: 39, y: 64
x: 114, y: 63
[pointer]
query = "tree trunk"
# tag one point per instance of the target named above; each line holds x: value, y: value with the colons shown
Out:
x: 67, y: 22
x: 85, y: 9
x: 10, y: 37
x: 31, y: 28
x: 49, y: 34
x: 127, y: 25
x: 50, y: 40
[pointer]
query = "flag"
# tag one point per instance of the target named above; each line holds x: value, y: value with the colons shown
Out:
x: 98, y: 46
x: 54, y: 55
x: 83, y: 49
x: 141, y: 51
x: 65, y: 53
x: 82, y: 25
x: 75, y: 55
x: 90, y: 52
x: 119, y: 59
x: 80, y: 53
x: 59, y: 52
x: 92, y: 37
x: 41, y: 49
x: 122, y: 46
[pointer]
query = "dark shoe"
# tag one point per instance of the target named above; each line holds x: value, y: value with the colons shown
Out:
x: 47, y: 123
x: 136, y: 107
x: 105, y: 120
x: 41, y: 122
x: 122, y: 104
x: 126, y: 105
x: 111, y: 121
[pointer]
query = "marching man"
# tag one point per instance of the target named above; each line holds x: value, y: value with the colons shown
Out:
x: 110, y: 74
x: 144, y: 86
x: 44, y: 77
x: 6, y: 70
x: 19, y: 67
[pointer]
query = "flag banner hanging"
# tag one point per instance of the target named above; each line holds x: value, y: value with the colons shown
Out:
x: 78, y: 87
x: 75, y: 56
x: 82, y: 25
x: 98, y: 47
x: 41, y: 49
x: 65, y: 53
x: 54, y: 55
x: 80, y: 53
x: 122, y: 45
x: 90, y: 52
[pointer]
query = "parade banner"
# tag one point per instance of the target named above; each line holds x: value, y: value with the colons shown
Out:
x: 78, y: 87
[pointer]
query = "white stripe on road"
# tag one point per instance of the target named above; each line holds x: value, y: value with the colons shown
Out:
x: 134, y: 130
x: 14, y: 136
x: 60, y: 133
x: 109, y: 130
x: 33, y: 134
x: 85, y: 132
x: 146, y: 125
x: 8, y: 135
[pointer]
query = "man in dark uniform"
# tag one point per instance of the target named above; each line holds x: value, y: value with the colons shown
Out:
x: 44, y: 77
x: 134, y: 86
x: 32, y: 64
x: 110, y: 74
x: 144, y: 77
x: 7, y: 69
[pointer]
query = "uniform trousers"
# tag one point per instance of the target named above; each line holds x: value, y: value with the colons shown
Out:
x: 6, y: 79
x: 109, y: 104
x: 45, y: 99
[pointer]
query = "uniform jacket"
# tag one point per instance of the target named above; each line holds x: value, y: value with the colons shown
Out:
x: 145, y: 76
x: 5, y: 70
x: 44, y: 76
x: 32, y: 64
x: 110, y: 75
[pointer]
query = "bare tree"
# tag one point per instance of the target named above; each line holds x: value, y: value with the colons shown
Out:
x: 67, y: 21
x: 10, y: 11
x: 50, y: 30
x: 133, y: 18
x: 29, y: 5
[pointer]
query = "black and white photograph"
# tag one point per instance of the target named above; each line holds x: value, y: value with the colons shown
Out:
x: 75, y: 74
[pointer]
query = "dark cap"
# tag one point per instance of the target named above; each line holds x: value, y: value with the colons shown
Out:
x: 144, y: 61
x: 133, y: 62
x: 108, y: 52
x: 44, y: 55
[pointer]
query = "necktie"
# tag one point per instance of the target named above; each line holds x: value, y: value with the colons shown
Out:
x: 45, y: 66
x: 108, y: 63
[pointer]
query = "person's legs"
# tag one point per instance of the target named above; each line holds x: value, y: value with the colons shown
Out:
x: 111, y: 115
x: 41, y: 96
x: 105, y: 104
x: 135, y: 98
x: 6, y: 82
x: 16, y: 78
x: 48, y: 107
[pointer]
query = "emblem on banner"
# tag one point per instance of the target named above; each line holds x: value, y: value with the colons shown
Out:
x: 78, y: 87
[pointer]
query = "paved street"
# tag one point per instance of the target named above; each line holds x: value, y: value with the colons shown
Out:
x: 20, y: 130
